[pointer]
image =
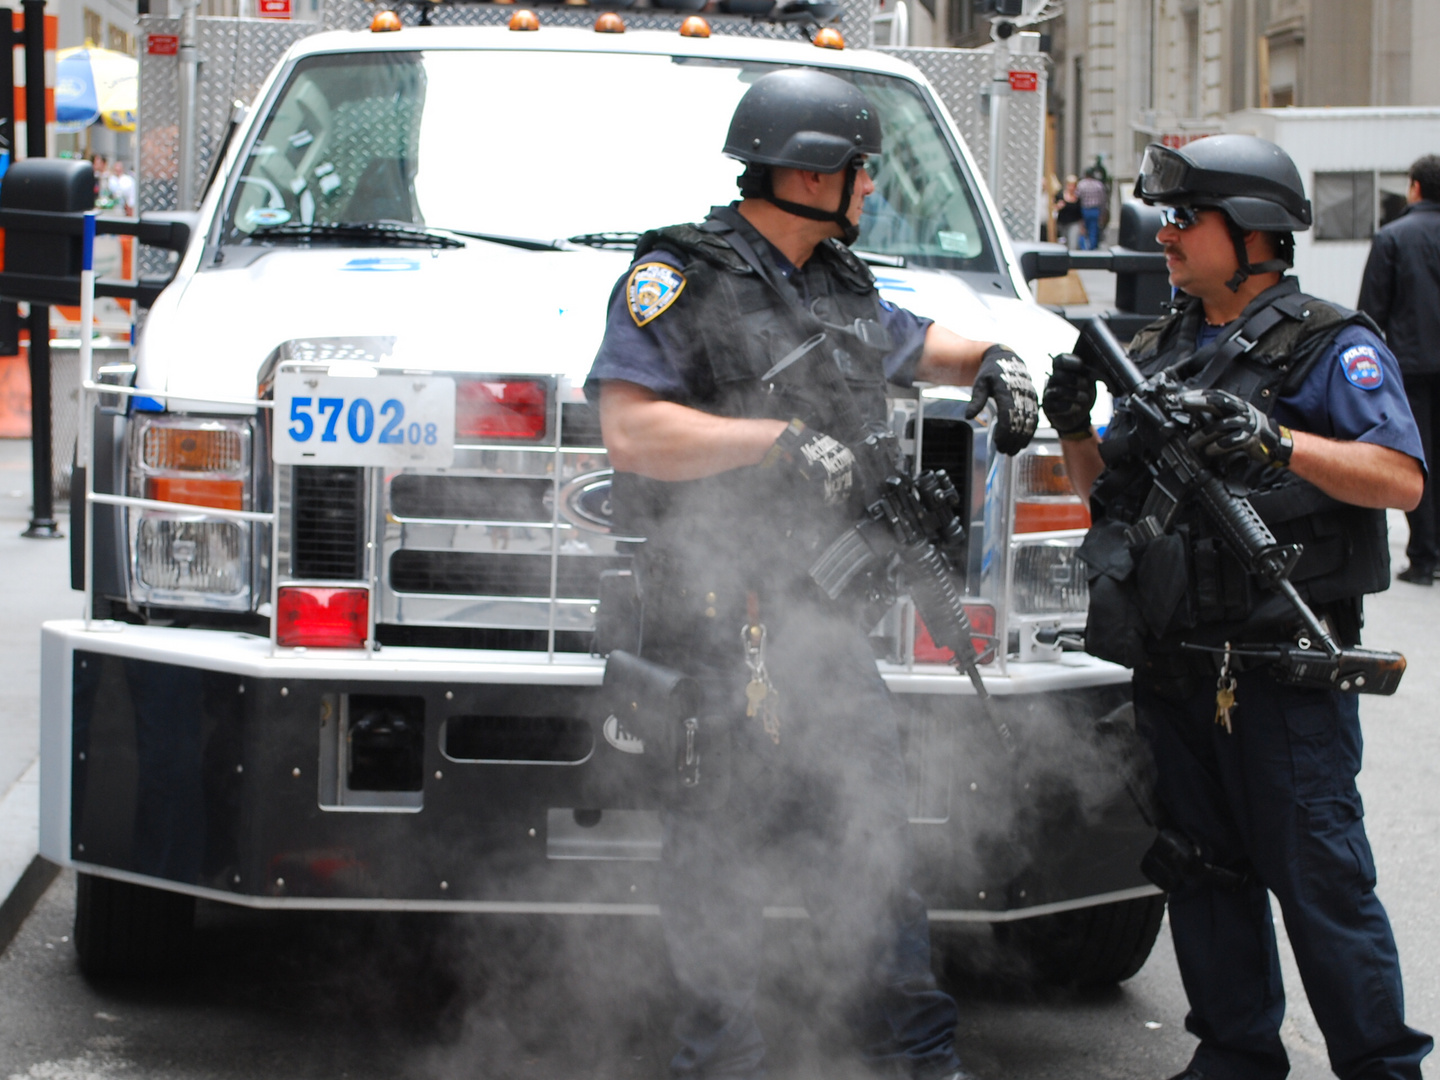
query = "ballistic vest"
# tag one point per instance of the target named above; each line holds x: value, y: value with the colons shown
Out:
x: 711, y: 541
x: 1187, y: 586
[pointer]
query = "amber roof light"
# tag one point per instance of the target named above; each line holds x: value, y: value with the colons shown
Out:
x: 385, y: 22
x: 609, y: 23
x: 524, y: 19
x: 828, y: 38
x: 694, y: 26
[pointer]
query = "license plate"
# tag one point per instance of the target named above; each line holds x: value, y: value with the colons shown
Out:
x: 390, y: 420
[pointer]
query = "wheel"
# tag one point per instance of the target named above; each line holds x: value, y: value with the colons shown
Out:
x: 1089, y: 947
x: 130, y: 931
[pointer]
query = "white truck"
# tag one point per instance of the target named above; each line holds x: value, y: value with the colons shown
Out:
x: 344, y: 513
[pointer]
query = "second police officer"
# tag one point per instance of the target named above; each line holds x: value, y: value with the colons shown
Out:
x: 742, y: 359
x: 1302, y: 407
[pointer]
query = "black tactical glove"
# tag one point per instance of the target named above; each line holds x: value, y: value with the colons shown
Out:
x: 1235, y: 429
x: 822, y: 462
x: 1003, y: 376
x: 1069, y: 397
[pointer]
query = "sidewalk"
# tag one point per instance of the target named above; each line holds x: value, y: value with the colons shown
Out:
x: 36, y: 575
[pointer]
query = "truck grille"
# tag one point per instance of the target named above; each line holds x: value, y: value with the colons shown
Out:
x: 467, y: 574
x: 329, y: 531
x: 478, y: 498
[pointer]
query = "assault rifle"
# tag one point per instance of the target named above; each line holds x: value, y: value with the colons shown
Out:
x: 912, y: 528
x: 1164, y: 425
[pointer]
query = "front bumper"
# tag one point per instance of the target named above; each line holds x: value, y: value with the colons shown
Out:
x: 207, y: 762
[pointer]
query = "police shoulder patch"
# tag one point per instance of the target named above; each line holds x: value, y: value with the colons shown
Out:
x: 1361, y: 365
x: 653, y: 287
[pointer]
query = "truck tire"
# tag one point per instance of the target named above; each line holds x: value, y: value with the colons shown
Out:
x: 1087, y: 948
x: 130, y: 931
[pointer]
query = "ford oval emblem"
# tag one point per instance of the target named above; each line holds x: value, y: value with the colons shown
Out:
x: 585, y: 501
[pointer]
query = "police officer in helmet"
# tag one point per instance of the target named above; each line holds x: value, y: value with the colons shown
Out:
x: 1300, y: 405
x: 743, y: 359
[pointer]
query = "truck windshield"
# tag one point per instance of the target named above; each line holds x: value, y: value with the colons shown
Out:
x: 549, y: 145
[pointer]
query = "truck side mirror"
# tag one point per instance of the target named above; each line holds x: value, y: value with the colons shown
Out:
x: 1141, y: 292
x: 49, y: 197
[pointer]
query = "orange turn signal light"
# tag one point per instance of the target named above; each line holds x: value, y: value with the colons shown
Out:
x: 609, y: 23
x: 524, y: 19
x: 193, y: 449
x: 1036, y: 517
x: 828, y: 38
x: 224, y: 494
x: 694, y: 26
x: 385, y: 22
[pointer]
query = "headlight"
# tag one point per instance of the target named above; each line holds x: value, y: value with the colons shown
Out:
x: 191, y: 559
x: 1049, y: 579
x: 191, y: 556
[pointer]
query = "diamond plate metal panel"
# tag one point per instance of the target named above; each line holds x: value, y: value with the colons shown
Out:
x: 235, y: 57
x: 962, y: 79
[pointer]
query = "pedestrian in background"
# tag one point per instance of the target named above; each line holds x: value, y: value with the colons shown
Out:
x: 1093, y: 196
x: 102, y: 177
x: 1401, y: 292
x: 1069, y: 219
x: 121, y: 186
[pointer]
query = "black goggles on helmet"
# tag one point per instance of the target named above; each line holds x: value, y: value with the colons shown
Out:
x: 1163, y: 174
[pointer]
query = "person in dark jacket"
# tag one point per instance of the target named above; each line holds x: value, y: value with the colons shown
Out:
x: 1401, y: 292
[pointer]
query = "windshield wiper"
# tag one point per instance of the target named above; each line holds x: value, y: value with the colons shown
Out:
x: 625, y: 240
x: 368, y: 232
x: 524, y: 242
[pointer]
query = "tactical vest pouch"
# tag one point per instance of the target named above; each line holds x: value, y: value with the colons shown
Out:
x: 654, y: 713
x: 1115, y: 630
x: 1162, y: 579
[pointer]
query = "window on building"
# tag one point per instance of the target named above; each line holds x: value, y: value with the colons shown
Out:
x: 94, y: 26
x: 1392, y: 189
x: 1190, y: 21
x: 120, y: 40
x: 1344, y: 205
x: 1239, y: 50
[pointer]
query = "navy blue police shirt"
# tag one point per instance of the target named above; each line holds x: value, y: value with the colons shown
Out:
x: 1353, y: 393
x: 645, y: 355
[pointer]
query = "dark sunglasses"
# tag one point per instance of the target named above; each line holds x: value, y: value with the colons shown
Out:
x: 1182, y: 217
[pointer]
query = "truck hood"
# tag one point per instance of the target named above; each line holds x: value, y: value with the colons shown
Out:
x: 484, y: 308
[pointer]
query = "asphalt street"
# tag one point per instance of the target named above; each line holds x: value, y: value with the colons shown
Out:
x: 285, y: 995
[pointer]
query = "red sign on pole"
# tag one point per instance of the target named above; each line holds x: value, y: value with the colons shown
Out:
x: 272, y: 9
x: 1019, y: 80
x: 162, y: 44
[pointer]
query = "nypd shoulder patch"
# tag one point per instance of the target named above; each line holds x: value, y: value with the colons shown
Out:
x: 653, y: 287
x: 1362, y: 367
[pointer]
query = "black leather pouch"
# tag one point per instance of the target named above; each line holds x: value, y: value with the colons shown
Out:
x: 653, y: 712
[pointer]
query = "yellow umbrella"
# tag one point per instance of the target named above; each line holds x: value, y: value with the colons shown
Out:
x: 95, y: 84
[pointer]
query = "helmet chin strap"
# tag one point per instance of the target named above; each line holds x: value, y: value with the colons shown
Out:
x: 848, y: 232
x: 1246, y: 268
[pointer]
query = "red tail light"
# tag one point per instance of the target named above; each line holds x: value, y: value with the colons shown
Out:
x: 501, y: 409
x: 982, y: 621
x: 322, y: 618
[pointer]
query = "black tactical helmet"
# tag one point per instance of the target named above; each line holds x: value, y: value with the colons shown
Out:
x: 1248, y: 179
x: 1251, y: 179
x: 803, y: 119
x: 800, y: 118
